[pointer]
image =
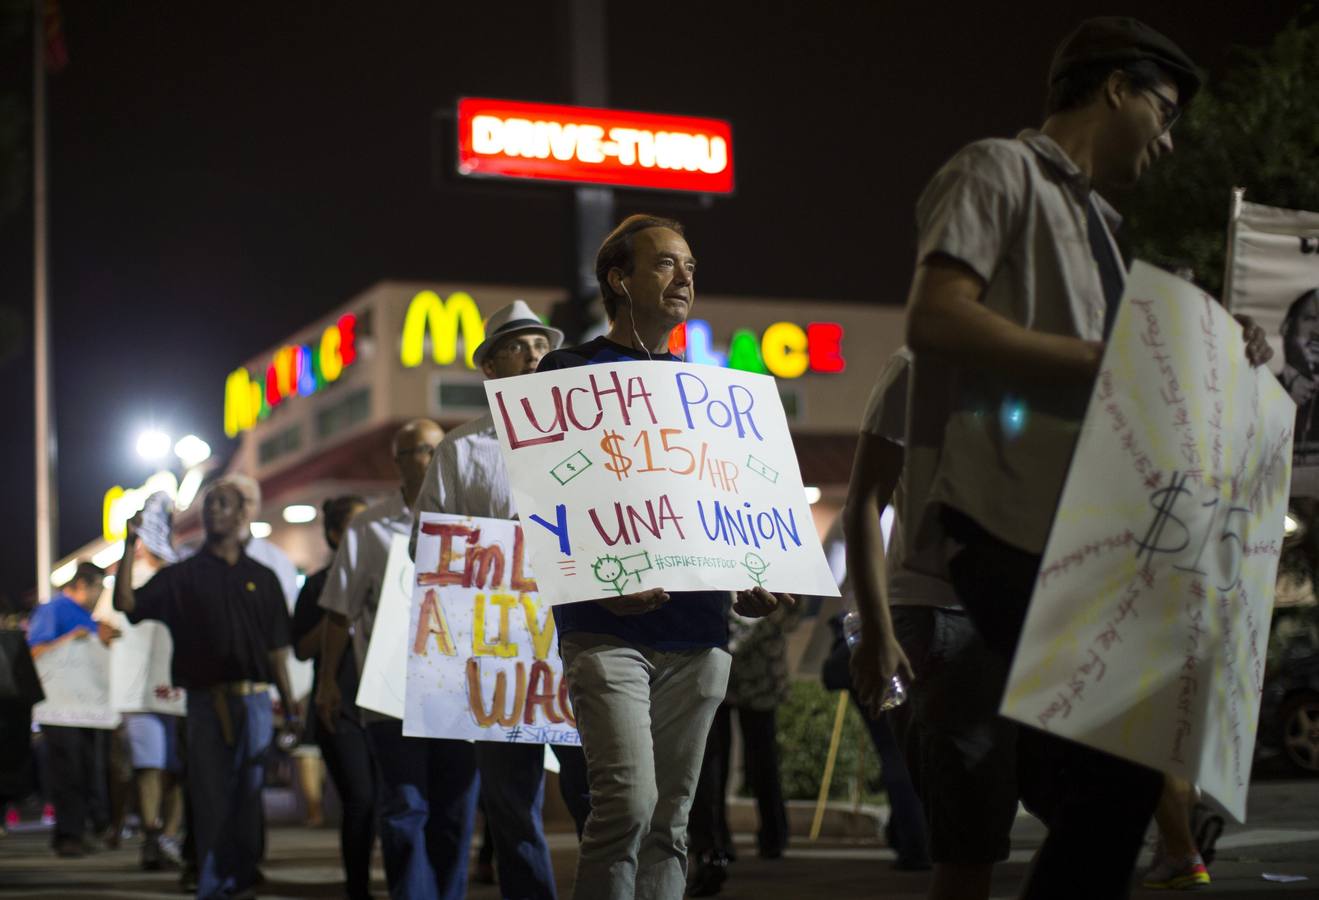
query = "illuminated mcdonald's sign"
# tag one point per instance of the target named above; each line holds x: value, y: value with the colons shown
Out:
x: 443, y: 320
x: 294, y: 370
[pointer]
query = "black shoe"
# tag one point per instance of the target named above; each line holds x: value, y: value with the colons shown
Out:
x: 70, y: 848
x: 709, y: 877
x: 188, y: 879
x: 152, y: 860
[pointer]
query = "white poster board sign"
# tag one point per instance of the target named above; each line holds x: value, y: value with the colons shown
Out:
x: 631, y: 476
x: 483, y: 656
x: 140, y: 677
x: 1148, y: 628
x: 1275, y: 280
x: 75, y: 675
x: 385, y: 672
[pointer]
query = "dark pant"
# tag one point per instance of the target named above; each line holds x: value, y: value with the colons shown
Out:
x: 907, y: 821
x: 512, y: 794
x: 708, y: 826
x: 1097, y: 806
x: 352, y: 768
x: 427, y: 804
x: 78, y: 780
x: 226, y: 769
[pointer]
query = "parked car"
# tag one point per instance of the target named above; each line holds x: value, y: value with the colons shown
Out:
x: 1289, y: 705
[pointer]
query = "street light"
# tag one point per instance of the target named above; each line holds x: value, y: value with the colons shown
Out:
x: 192, y: 450
x: 153, y: 444
x: 299, y: 514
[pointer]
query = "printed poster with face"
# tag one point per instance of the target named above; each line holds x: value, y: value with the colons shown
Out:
x: 75, y: 675
x: 1148, y: 628
x: 482, y: 656
x: 638, y: 475
x: 1274, y: 279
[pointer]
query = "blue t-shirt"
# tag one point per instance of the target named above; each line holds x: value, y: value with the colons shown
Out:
x: 51, y: 621
x: 691, y: 619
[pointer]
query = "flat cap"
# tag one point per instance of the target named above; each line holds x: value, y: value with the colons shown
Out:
x: 1119, y: 39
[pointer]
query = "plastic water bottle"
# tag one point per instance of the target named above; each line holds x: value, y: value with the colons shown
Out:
x: 896, y: 692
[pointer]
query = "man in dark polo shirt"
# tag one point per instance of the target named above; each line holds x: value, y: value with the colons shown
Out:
x: 646, y: 671
x: 230, y: 626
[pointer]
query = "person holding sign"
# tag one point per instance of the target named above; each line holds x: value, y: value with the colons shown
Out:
x: 467, y: 477
x: 646, y: 671
x: 230, y: 626
x: 1017, y: 285
x: 428, y: 787
x: 77, y: 755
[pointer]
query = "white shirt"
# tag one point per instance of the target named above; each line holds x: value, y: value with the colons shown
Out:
x: 352, y: 587
x: 886, y: 418
x: 466, y: 477
x: 276, y: 561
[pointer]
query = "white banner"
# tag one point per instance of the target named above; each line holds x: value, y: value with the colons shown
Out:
x: 1275, y: 280
x: 76, y: 678
x: 1147, y: 632
x: 483, y: 656
x: 385, y: 672
x: 140, y: 677
x: 631, y: 476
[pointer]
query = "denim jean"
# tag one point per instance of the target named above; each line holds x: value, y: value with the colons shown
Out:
x: 512, y: 794
x: 224, y: 780
x: 643, y: 715
x: 352, y: 768
x: 427, y: 804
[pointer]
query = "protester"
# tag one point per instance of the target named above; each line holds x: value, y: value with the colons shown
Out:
x: 77, y: 756
x: 428, y: 787
x: 967, y: 764
x: 467, y: 477
x: 757, y: 683
x: 646, y: 671
x: 20, y: 690
x: 346, y: 749
x: 1017, y: 284
x: 152, y: 737
x: 230, y: 627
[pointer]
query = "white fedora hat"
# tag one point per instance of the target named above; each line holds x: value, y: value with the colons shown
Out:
x: 506, y: 320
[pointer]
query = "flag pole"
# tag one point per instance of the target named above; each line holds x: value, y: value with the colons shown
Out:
x: 45, y: 444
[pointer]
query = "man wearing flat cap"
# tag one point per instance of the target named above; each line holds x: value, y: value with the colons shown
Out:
x: 467, y: 477
x: 1016, y: 287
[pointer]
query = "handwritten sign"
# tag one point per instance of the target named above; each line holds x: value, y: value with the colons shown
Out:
x: 1274, y: 278
x: 140, y: 678
x: 385, y: 672
x: 638, y: 475
x: 483, y: 661
x: 76, y: 678
x: 1147, y: 631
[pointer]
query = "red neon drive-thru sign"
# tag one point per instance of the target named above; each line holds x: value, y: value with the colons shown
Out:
x: 547, y: 142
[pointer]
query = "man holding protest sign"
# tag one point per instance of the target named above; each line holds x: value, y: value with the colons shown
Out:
x: 77, y: 755
x: 1017, y: 284
x: 428, y: 796
x: 467, y: 477
x: 646, y: 670
x: 227, y: 616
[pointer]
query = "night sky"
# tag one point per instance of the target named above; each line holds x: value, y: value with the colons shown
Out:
x: 222, y: 174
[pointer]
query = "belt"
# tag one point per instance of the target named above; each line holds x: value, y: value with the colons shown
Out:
x: 237, y: 689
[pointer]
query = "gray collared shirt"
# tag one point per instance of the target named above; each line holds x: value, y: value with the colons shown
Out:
x: 466, y: 476
x: 1014, y: 211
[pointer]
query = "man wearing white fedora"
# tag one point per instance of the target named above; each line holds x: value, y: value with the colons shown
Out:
x: 467, y: 477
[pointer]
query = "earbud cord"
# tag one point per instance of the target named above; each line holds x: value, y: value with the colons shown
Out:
x: 632, y: 320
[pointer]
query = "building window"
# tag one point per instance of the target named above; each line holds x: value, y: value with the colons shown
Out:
x: 457, y: 395
x: 346, y: 413
x: 792, y: 402
x: 280, y: 444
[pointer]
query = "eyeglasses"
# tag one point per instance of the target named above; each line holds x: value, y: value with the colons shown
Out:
x: 1169, y: 112
x: 419, y: 450
x: 523, y: 347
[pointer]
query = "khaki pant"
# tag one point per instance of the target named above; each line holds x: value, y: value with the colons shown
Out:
x: 643, y: 716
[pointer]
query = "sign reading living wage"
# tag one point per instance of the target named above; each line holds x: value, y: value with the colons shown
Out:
x: 483, y: 661
x: 1148, y: 627
x: 630, y: 476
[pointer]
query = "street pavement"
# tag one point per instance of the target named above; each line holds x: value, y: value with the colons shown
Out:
x: 1281, y: 837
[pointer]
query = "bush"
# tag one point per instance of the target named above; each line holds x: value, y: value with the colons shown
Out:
x: 805, y: 723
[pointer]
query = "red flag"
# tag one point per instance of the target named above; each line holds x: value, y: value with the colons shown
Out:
x: 57, y: 54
